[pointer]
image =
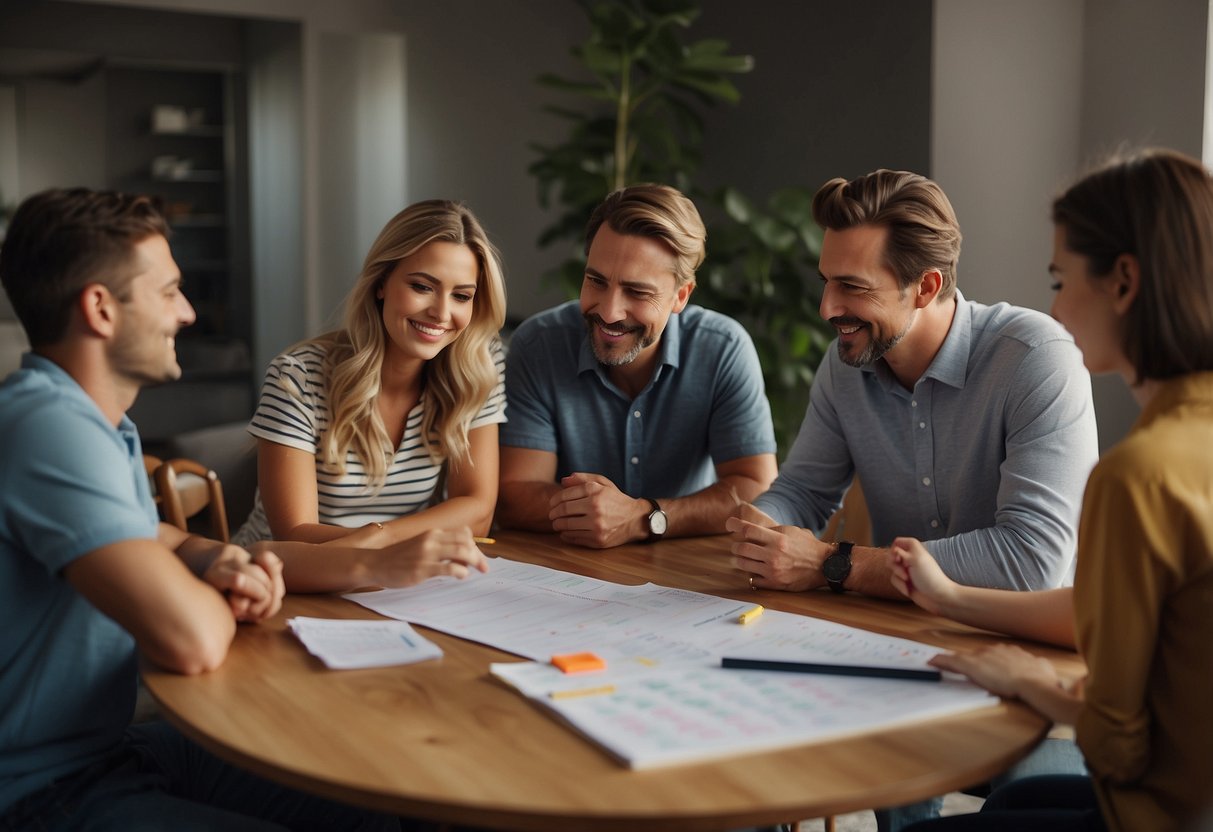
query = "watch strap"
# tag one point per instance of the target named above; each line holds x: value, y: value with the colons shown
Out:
x: 843, y: 553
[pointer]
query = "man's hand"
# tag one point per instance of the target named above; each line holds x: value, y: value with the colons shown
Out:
x: 432, y: 553
x: 916, y: 575
x: 589, y: 510
x: 777, y: 557
x: 1002, y: 669
x: 748, y: 512
x: 252, y: 583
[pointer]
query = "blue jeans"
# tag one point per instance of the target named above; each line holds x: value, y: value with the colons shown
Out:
x: 1050, y: 757
x: 1051, y: 803
x: 159, y: 780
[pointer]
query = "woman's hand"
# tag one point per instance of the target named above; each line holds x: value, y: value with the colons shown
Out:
x: 430, y: 554
x: 916, y: 575
x: 252, y: 583
x: 1002, y: 669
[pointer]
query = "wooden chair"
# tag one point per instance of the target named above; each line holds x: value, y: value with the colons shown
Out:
x: 184, y: 488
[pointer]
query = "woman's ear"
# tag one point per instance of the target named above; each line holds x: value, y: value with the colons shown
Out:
x: 1126, y: 282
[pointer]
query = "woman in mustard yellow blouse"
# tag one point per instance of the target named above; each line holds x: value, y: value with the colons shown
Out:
x: 1133, y: 271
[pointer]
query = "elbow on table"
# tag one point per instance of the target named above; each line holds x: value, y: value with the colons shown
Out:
x: 190, y: 654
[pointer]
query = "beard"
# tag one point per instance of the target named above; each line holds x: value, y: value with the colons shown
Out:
x: 875, y: 348
x: 611, y: 358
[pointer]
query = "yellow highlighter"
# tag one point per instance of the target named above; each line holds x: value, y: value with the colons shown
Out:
x: 750, y: 614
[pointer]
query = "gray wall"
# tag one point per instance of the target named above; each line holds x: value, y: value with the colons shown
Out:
x: 837, y: 89
x: 1028, y: 94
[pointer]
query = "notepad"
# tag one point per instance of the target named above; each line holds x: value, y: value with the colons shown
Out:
x: 349, y: 644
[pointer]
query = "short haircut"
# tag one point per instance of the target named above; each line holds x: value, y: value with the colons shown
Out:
x: 62, y: 240
x: 923, y: 231
x: 656, y: 211
x: 1156, y: 205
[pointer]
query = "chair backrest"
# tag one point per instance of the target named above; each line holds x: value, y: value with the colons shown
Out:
x: 185, y: 488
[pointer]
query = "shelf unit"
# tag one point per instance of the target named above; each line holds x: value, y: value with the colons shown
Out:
x: 199, y: 173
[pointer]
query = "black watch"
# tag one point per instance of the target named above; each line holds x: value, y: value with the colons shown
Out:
x: 837, y: 566
x: 657, y: 520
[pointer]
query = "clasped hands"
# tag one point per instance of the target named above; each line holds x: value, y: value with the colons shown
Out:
x: 590, y: 510
x: 776, y: 557
x: 250, y: 581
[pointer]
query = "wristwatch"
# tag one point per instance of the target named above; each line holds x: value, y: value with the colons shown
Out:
x: 657, y: 520
x: 837, y: 566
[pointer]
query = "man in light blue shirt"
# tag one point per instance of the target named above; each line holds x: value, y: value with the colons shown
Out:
x: 633, y: 415
x: 88, y: 578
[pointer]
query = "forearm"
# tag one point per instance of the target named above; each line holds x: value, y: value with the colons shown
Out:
x: 706, y: 511
x: 330, y: 568
x: 198, y: 553
x: 1057, y: 702
x: 476, y: 513
x: 526, y: 505
x: 869, y: 573
x: 1046, y: 615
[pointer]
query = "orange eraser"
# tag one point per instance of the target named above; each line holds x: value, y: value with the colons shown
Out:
x: 579, y: 662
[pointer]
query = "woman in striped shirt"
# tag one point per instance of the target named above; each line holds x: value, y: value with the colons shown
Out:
x: 356, y: 428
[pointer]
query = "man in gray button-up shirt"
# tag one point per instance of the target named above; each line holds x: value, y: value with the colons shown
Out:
x: 971, y: 427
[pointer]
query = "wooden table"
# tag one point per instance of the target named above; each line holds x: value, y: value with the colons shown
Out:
x: 442, y: 740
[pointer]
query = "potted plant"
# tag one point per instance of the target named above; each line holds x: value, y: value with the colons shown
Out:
x: 634, y: 117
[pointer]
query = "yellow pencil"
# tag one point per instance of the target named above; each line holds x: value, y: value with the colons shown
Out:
x: 569, y: 694
x: 484, y: 540
x: 750, y: 614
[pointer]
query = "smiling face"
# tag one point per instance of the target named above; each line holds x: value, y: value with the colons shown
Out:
x: 152, y: 310
x: 628, y: 295
x: 861, y: 296
x: 427, y: 299
x: 1086, y: 306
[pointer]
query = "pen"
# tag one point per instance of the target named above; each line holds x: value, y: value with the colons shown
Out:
x: 832, y: 669
x: 571, y: 694
x: 485, y: 540
x: 750, y: 614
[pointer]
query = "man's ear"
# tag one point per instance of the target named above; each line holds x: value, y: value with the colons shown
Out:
x: 928, y: 288
x: 98, y: 310
x: 682, y: 296
x: 1126, y: 282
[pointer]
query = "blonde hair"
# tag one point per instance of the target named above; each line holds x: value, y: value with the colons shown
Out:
x: 456, y: 382
x: 657, y: 211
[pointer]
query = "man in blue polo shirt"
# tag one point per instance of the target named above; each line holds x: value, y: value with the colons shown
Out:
x: 633, y: 415
x: 88, y: 577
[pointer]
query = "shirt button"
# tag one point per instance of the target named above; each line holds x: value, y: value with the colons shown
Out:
x: 635, y: 460
x: 636, y: 413
x: 934, y: 524
x: 925, y: 480
x: 922, y: 424
x: 914, y: 403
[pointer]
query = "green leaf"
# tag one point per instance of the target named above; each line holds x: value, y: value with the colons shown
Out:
x: 597, y: 91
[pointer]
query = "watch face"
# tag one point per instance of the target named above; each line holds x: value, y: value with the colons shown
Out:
x: 658, y: 522
x: 836, y: 567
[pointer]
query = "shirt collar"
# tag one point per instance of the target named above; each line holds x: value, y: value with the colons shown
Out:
x: 952, y: 361
x: 63, y: 379
x: 1192, y: 388
x: 668, y: 350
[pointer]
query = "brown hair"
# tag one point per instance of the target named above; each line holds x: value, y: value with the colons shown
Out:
x: 60, y: 241
x: 1156, y: 205
x: 923, y: 231
x: 657, y: 211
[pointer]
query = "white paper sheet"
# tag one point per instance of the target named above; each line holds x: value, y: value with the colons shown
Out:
x: 348, y: 644
x: 692, y: 712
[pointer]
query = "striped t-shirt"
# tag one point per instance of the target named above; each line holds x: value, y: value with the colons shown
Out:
x: 294, y: 411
